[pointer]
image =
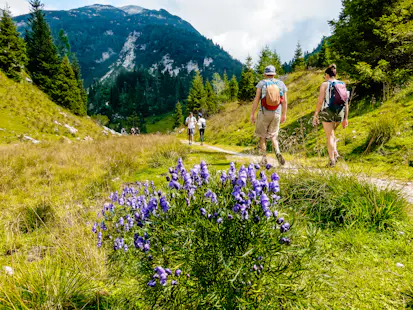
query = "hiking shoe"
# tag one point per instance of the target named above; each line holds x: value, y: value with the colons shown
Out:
x: 264, y: 161
x: 331, y: 164
x: 280, y: 159
x: 338, y: 157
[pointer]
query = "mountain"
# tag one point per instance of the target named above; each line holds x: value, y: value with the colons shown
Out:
x: 107, y: 39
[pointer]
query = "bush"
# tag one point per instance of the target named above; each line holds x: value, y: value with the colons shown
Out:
x: 381, y: 132
x: 330, y: 199
x: 207, y: 242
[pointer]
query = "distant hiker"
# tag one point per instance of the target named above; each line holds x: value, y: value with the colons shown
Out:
x: 138, y: 131
x: 190, y: 122
x: 273, y: 111
x: 123, y: 131
x: 332, y: 109
x: 132, y: 131
x: 201, y: 127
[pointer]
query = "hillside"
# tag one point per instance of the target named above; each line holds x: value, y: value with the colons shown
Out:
x: 107, y: 39
x: 26, y: 111
x: 297, y: 136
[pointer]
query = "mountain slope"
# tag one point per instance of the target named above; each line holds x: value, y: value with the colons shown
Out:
x: 26, y: 111
x: 106, y: 39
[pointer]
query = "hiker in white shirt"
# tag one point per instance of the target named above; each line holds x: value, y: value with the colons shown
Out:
x: 190, y: 122
x: 201, y: 127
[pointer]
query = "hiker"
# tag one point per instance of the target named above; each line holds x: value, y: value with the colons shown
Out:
x: 201, y: 127
x: 273, y: 111
x: 132, y: 131
x: 190, y: 122
x: 332, y: 109
x: 123, y: 131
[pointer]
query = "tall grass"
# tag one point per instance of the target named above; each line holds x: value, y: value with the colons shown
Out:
x: 333, y: 200
x: 48, y: 193
x: 380, y: 132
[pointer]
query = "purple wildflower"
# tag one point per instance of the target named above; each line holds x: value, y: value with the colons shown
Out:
x: 121, y: 221
x: 95, y: 227
x: 203, y: 211
x: 168, y: 271
x: 230, y: 217
x: 285, y: 227
x: 99, y: 239
x: 259, y: 257
x: 178, y: 272
x: 280, y: 220
x: 174, y: 282
x: 267, y: 213
x: 257, y: 166
x: 268, y: 166
x: 255, y: 267
x: 265, y: 202
x: 236, y: 208
x: 152, y: 283
x: 168, y: 178
x: 285, y: 241
x: 275, y: 177
x: 275, y: 214
x: 164, y: 204
x: 146, y: 247
x: 219, y: 221
x: 163, y: 282
x: 224, y: 176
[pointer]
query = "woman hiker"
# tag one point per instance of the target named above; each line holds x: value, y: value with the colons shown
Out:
x: 332, y: 109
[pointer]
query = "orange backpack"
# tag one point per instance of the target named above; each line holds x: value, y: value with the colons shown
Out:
x: 274, y: 96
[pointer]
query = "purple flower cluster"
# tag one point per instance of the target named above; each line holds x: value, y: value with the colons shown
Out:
x: 142, y: 243
x: 162, y: 274
x: 211, y: 195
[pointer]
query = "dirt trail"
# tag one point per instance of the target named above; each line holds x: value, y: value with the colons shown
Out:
x: 405, y: 188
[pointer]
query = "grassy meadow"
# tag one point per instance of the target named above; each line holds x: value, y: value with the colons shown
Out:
x: 50, y: 195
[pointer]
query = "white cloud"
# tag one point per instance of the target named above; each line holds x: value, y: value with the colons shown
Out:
x: 241, y: 27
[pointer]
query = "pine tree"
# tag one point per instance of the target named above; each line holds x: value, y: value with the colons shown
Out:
x: 67, y: 92
x: 63, y: 45
x: 79, y: 80
x: 179, y: 117
x: 211, y: 98
x: 44, y: 64
x: 233, y: 88
x: 276, y: 62
x: 217, y: 84
x: 226, y: 92
x: 13, y: 56
x: 298, y: 60
x: 265, y: 59
x: 323, y: 55
x: 196, y: 97
x: 247, y: 83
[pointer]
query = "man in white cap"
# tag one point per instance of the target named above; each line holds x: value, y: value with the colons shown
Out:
x: 273, y: 110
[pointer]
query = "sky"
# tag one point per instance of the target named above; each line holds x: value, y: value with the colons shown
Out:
x: 241, y: 27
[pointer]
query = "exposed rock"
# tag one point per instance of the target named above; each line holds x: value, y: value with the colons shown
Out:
x: 72, y: 130
x: 34, y: 141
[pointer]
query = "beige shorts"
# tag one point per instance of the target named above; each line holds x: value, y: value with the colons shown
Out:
x: 268, y: 124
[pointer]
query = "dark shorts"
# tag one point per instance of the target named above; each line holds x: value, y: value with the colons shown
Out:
x: 327, y: 115
x: 190, y: 132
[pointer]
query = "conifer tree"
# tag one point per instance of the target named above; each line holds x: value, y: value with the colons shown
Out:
x: 79, y: 80
x: 276, y: 62
x: 298, y: 60
x: 13, y: 56
x: 247, y: 83
x: 63, y: 45
x: 196, y: 97
x: 226, y: 92
x: 67, y: 92
x: 211, y: 98
x: 217, y: 84
x: 264, y: 60
x: 323, y: 55
x: 233, y: 88
x: 44, y: 64
x: 179, y: 117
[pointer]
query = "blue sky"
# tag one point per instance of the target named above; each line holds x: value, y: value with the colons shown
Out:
x: 242, y: 27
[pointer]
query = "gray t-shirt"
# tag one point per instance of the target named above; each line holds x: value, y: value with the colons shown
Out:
x: 280, y: 84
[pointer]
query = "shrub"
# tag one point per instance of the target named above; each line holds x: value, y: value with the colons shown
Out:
x: 330, y: 199
x: 208, y: 241
x: 380, y: 132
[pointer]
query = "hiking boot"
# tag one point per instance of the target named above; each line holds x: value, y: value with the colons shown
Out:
x: 280, y: 159
x: 264, y: 161
x: 331, y: 164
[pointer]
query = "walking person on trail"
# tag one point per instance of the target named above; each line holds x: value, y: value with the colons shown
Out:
x: 201, y: 127
x: 273, y: 110
x: 190, y: 122
x: 332, y: 109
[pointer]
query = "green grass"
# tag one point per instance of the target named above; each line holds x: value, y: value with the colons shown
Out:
x: 160, y: 123
x: 298, y: 137
x: 25, y: 110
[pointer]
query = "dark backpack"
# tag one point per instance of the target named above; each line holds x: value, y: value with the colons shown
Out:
x: 203, y: 125
x: 338, y: 95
